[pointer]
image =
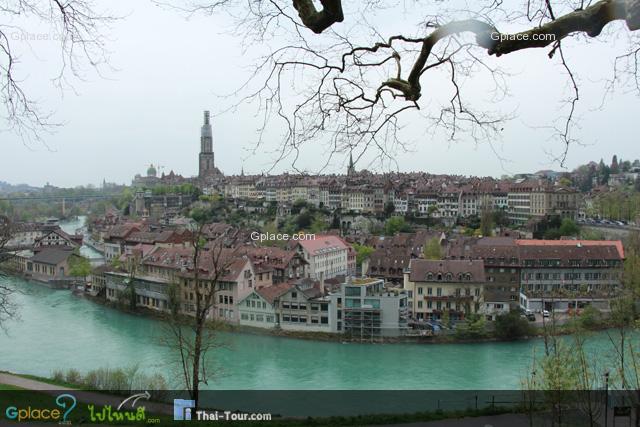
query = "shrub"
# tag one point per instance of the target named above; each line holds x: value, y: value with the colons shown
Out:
x: 58, y: 376
x: 91, y: 380
x: 590, y: 318
x: 512, y: 326
x: 474, y: 327
x: 73, y: 377
x: 116, y: 380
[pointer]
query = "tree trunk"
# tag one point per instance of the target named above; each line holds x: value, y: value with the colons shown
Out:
x: 197, y: 350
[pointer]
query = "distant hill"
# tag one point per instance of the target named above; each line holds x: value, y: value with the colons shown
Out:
x: 5, y: 187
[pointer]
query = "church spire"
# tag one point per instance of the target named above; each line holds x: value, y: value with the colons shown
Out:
x: 352, y: 166
x: 207, y: 166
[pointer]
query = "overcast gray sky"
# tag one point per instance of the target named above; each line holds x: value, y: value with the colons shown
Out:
x: 170, y: 69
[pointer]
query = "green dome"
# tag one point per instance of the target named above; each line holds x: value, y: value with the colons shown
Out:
x: 152, y: 171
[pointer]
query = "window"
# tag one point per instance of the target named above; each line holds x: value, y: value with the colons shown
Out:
x: 324, y: 320
x: 352, y: 291
x: 420, y: 289
x: 352, y: 303
x: 439, y: 292
x: 294, y: 295
x: 419, y: 304
x: 375, y: 303
x: 429, y: 291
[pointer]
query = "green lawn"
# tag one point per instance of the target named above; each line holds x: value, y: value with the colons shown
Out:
x: 45, y: 380
x: 5, y: 387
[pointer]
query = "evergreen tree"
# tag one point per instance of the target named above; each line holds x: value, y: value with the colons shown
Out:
x: 615, y: 168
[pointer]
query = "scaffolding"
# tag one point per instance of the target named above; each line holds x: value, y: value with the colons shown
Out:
x: 363, y: 323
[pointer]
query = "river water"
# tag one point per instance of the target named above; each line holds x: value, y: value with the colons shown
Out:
x: 58, y: 330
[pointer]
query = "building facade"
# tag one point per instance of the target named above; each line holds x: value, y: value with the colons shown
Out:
x: 451, y: 286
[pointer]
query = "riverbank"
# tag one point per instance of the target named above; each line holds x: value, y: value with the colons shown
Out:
x: 537, y: 332
x: 450, y: 338
x: 56, y: 330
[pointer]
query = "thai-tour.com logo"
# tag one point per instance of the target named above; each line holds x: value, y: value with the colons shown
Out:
x: 58, y: 412
x: 185, y: 410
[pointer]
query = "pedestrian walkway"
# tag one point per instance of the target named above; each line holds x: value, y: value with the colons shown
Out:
x: 83, y: 396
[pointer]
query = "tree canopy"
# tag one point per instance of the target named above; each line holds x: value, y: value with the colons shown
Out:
x: 345, y: 72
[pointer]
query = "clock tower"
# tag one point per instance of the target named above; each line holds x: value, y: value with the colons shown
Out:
x: 207, y: 166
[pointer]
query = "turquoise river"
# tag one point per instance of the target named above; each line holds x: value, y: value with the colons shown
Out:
x: 57, y: 330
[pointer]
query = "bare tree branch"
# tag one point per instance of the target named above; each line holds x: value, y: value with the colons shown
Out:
x: 77, y: 29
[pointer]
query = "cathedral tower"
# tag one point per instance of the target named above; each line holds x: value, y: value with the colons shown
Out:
x: 207, y: 166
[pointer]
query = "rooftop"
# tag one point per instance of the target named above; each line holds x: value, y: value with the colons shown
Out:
x: 364, y: 281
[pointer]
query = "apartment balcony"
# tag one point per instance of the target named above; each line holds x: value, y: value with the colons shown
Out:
x: 566, y: 294
x: 446, y: 298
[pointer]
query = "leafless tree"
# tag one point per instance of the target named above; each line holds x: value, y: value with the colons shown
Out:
x: 31, y: 25
x: 191, y: 326
x: 339, y: 73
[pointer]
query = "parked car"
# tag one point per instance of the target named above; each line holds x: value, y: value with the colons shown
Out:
x: 545, y: 313
x: 531, y: 317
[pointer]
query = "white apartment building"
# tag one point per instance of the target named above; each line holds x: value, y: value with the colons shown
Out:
x: 327, y: 256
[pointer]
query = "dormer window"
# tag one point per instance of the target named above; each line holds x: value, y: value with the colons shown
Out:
x: 429, y: 276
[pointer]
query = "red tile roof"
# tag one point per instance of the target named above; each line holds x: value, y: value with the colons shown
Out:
x: 573, y: 243
x: 323, y: 242
x: 421, y: 267
x: 270, y: 293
